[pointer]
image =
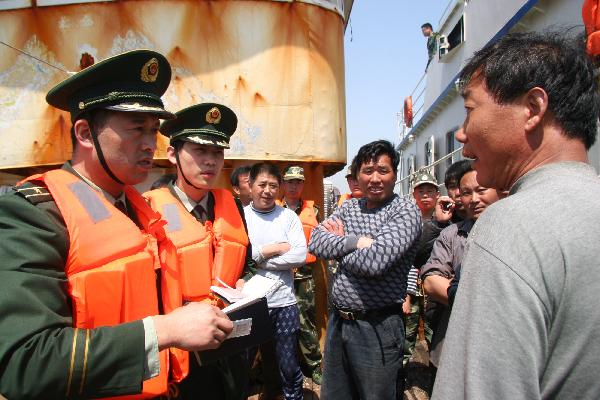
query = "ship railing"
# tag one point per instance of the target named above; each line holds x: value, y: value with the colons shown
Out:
x: 429, y: 168
x: 446, y: 12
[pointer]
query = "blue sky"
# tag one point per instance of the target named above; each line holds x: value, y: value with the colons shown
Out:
x: 385, y: 56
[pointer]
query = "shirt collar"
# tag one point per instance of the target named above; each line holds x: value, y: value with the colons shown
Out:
x: 187, y: 202
x: 465, y: 226
x: 298, y: 207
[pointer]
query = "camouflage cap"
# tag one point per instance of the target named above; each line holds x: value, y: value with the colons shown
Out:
x: 206, y: 123
x: 348, y: 172
x: 424, y: 177
x: 129, y: 82
x: 293, y: 172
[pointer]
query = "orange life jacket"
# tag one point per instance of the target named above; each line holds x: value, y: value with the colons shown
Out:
x: 343, y: 198
x: 309, y: 221
x: 195, y: 255
x: 111, y: 263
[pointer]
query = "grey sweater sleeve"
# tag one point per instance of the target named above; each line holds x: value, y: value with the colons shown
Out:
x: 329, y: 246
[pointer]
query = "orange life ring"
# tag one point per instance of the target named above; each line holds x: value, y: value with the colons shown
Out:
x: 408, y: 112
x: 591, y: 19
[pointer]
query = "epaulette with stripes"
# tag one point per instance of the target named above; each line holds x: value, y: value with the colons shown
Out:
x: 34, y: 193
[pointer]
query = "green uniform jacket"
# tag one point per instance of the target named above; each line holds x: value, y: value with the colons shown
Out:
x: 41, y: 355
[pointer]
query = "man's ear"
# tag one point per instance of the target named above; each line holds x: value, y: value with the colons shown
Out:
x: 236, y: 190
x: 171, y: 155
x: 536, y: 103
x: 83, y: 134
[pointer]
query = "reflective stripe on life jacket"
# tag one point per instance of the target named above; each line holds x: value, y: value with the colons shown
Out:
x: 111, y: 263
x: 221, y: 245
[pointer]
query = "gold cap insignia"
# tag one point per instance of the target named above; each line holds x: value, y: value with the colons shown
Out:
x: 81, y: 105
x: 213, y: 116
x: 150, y: 70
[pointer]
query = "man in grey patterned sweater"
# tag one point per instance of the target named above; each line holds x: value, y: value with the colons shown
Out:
x: 375, y: 240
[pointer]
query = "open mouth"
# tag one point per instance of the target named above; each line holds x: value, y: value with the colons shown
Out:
x: 145, y: 163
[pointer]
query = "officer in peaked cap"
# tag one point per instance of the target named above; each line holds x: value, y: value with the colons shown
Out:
x: 131, y: 82
x: 198, y: 138
x: 77, y: 251
x: 304, y: 284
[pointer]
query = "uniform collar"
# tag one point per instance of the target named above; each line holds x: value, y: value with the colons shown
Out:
x: 110, y: 198
x: 297, y: 209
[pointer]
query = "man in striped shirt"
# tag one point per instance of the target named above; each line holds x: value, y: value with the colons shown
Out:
x: 374, y: 239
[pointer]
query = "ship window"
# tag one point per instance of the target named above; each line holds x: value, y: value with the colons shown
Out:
x: 457, y: 35
x: 449, y: 42
x: 451, y: 145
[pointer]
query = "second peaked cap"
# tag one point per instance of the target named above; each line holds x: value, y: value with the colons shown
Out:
x: 211, y: 124
x: 129, y: 82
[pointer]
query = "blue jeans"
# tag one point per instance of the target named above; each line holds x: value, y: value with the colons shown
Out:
x: 362, y: 358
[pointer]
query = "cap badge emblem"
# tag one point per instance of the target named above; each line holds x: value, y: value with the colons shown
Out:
x: 213, y: 116
x: 150, y: 70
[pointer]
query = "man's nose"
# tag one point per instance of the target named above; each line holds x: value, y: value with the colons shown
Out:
x: 149, y: 143
x: 460, y: 135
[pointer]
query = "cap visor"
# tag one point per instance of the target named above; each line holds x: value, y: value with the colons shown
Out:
x: 137, y: 107
x: 206, y: 140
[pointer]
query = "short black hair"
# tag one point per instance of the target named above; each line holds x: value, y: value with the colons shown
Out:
x: 264, y: 168
x: 469, y: 168
x: 456, y: 171
x: 371, y: 152
x: 427, y: 25
x: 553, y: 61
x: 177, y: 145
x: 96, y: 119
x: 235, y: 175
x: 163, y: 181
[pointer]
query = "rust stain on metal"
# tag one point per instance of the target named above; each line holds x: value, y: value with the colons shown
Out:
x: 259, y: 100
x: 241, y: 83
x: 55, y: 144
x: 278, y: 64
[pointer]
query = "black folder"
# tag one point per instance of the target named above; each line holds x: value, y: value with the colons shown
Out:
x: 260, y: 332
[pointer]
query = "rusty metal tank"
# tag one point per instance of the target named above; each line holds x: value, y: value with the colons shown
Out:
x: 278, y: 64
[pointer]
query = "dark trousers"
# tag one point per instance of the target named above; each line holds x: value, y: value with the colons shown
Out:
x: 286, y: 324
x: 363, y: 357
x: 225, y: 379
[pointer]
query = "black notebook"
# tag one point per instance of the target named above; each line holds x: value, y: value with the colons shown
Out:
x: 254, y: 312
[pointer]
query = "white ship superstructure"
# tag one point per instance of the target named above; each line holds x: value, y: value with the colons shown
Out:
x: 465, y: 27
